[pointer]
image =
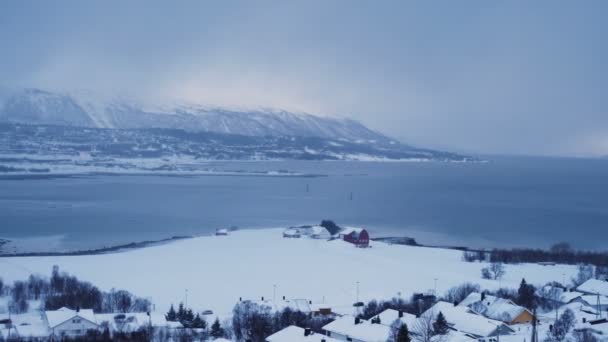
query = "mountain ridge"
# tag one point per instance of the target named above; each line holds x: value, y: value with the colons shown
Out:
x: 37, y: 106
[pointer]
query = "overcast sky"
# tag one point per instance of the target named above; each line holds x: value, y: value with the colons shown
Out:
x: 516, y: 77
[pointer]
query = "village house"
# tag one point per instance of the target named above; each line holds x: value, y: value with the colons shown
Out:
x: 316, y: 232
x: 350, y: 328
x: 221, y: 232
x: 133, y: 321
x: 466, y: 321
x: 296, y: 334
x: 596, y: 302
x: 70, y: 323
x: 496, y: 308
x: 357, y: 236
x: 291, y: 233
x: 389, y: 316
x: 559, y: 295
x: 594, y: 287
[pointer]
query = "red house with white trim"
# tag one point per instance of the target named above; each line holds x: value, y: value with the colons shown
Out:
x: 357, y: 236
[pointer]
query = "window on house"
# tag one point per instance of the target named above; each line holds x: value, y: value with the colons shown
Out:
x: 76, y: 320
x: 349, y: 339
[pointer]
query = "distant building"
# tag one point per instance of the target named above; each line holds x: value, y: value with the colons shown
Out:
x: 315, y: 232
x: 70, y: 323
x: 357, y: 236
x: 389, y: 316
x: 291, y: 233
x: 221, y: 232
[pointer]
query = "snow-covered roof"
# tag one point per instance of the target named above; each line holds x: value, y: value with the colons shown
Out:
x: 291, y: 232
x: 592, y: 300
x: 297, y: 304
x: 594, y: 286
x: 565, y: 296
x: 464, y: 320
x: 364, y: 331
x: 388, y: 316
x: 318, y: 230
x: 503, y: 310
x: 349, y: 230
x: 56, y: 317
x: 296, y: 334
x: 492, y: 307
x: 599, y: 327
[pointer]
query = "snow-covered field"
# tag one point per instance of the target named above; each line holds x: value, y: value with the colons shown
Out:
x: 217, y: 270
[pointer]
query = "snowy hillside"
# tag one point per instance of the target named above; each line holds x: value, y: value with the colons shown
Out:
x: 35, y: 106
x: 217, y: 270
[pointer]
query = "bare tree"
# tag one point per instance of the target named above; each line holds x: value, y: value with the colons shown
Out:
x: 424, y: 330
x: 497, y: 269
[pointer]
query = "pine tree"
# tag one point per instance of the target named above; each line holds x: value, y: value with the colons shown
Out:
x: 171, y: 316
x: 440, y: 326
x: 198, y: 322
x: 403, y: 335
x: 216, y: 329
x: 181, y: 312
x: 526, y: 296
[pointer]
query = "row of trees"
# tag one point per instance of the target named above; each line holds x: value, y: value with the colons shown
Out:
x: 561, y: 253
x: 62, y: 289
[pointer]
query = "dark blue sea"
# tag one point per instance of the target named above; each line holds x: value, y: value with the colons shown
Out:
x: 507, y: 202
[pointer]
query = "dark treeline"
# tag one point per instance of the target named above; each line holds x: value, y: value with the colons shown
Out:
x: 561, y: 253
x: 64, y: 290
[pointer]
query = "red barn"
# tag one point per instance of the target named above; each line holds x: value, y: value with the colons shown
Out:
x: 357, y: 236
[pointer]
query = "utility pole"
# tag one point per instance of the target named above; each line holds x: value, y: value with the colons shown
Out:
x: 274, y: 293
x: 186, y: 301
x: 435, y: 288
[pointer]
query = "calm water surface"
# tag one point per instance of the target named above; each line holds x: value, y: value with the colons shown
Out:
x: 506, y: 202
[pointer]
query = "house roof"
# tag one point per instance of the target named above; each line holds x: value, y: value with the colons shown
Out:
x: 464, y: 320
x: 349, y: 230
x: 364, y: 331
x: 56, y: 317
x: 565, y: 296
x: 388, y: 316
x: 296, y: 334
x: 493, y: 307
x: 291, y: 231
x: 591, y: 300
x: 594, y: 286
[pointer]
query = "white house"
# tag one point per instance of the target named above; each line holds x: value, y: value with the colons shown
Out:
x: 291, y: 233
x: 389, y: 316
x: 594, y: 301
x: 297, y: 334
x: 464, y: 320
x: 349, y: 328
x: 67, y: 322
x: 497, y: 308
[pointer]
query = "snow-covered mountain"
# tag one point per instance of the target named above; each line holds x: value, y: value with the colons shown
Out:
x: 84, y: 109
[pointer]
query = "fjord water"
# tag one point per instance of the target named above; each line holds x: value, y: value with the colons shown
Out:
x: 508, y: 201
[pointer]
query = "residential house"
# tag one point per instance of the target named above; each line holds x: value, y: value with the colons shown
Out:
x: 296, y: 334
x: 463, y: 319
x: 221, y: 232
x: 350, y: 328
x: 357, y: 236
x: 597, y: 302
x: 291, y: 233
x: 133, y: 321
x: 559, y: 295
x: 389, y: 316
x: 498, y: 309
x: 71, y: 323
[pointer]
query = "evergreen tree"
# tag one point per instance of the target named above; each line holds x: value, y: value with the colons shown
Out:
x: 216, y: 329
x: 198, y: 322
x: 403, y: 334
x: 171, y: 316
x: 181, y: 312
x: 526, y: 296
x: 440, y: 327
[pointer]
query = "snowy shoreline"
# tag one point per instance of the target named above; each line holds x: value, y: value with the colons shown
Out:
x: 318, y: 270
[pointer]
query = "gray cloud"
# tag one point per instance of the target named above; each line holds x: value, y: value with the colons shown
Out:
x: 482, y: 77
